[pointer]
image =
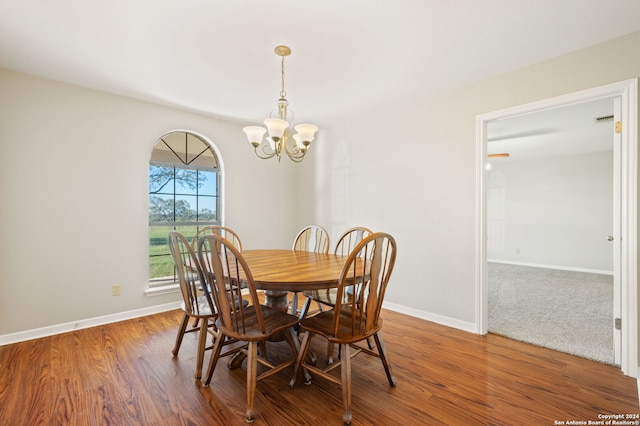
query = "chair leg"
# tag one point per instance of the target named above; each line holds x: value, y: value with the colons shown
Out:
x: 345, y: 371
x: 302, y: 353
x: 305, y: 309
x: 382, y: 351
x: 218, y: 340
x: 252, y: 370
x: 181, y: 330
x: 369, y: 343
x: 330, y: 351
x: 202, y: 343
x: 263, y: 349
x: 294, y: 303
x: 292, y: 339
x: 329, y: 358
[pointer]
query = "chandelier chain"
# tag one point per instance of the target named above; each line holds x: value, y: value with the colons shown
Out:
x: 283, y: 93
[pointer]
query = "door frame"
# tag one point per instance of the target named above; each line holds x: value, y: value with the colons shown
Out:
x: 628, y: 92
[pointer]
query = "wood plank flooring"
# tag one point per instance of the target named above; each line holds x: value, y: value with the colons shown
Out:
x: 124, y: 374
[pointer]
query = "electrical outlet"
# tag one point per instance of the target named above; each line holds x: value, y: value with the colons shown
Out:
x: 115, y: 290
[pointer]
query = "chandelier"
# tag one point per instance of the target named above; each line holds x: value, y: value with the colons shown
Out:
x: 280, y: 140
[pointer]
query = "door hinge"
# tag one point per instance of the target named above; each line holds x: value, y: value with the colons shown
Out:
x: 618, y: 127
x: 618, y: 323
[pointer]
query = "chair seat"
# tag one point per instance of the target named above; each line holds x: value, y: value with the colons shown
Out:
x: 323, y: 324
x: 274, y: 322
x: 203, y: 308
x: 326, y: 297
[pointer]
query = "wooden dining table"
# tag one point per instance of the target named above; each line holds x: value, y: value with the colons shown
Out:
x: 281, y: 271
x: 278, y: 272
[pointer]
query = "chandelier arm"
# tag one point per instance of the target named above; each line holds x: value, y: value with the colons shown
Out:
x: 265, y: 155
x: 295, y: 153
x: 295, y: 159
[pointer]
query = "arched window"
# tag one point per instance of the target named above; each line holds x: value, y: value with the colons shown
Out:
x: 184, y: 194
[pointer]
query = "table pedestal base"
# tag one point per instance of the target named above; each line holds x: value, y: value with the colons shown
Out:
x: 277, y: 300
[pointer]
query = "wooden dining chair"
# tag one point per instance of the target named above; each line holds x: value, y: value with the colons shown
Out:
x: 353, y: 319
x: 196, y: 303
x: 223, y: 231
x: 310, y: 238
x: 345, y: 245
x: 227, y: 274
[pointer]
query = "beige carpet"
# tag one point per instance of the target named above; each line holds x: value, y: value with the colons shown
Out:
x: 563, y: 310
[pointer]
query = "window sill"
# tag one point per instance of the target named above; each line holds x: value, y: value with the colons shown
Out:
x: 160, y: 290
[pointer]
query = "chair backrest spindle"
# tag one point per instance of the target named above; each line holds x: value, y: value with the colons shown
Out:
x: 350, y: 239
x: 223, y: 231
x: 312, y: 238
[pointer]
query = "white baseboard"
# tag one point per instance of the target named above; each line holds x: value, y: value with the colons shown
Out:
x: 22, y: 336
x: 439, y: 319
x: 561, y: 268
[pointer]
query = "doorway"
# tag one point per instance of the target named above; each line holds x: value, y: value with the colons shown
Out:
x: 550, y: 212
x: 624, y: 262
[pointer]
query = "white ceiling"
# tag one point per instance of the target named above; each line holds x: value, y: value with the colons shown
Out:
x: 554, y: 132
x: 216, y: 57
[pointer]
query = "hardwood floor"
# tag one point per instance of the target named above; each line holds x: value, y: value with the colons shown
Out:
x: 124, y: 374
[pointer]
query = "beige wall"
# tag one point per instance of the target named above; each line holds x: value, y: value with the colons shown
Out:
x: 553, y: 211
x: 410, y: 169
x: 73, y: 191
